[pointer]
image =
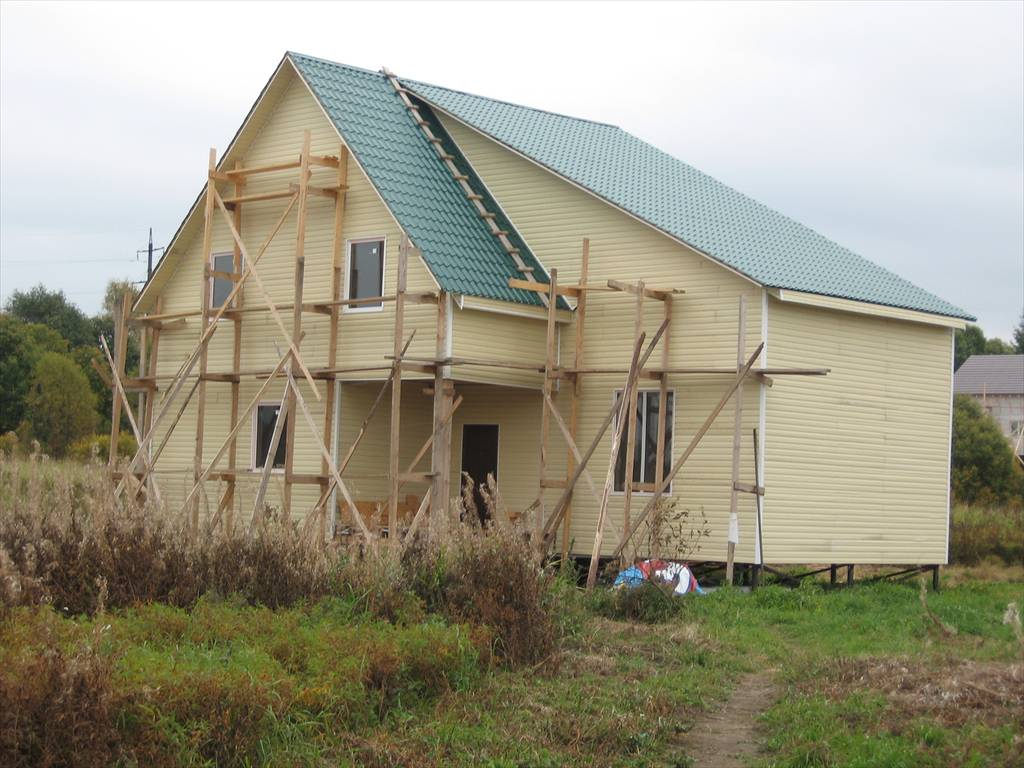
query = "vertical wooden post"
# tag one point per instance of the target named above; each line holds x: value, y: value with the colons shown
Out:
x: 440, y: 457
x: 545, y: 416
x: 659, y: 469
x: 631, y: 422
x: 197, y: 460
x: 151, y: 370
x: 396, y: 393
x: 609, y: 480
x: 228, y: 502
x: 300, y: 271
x: 337, y: 264
x: 121, y: 348
x: 737, y: 429
x: 577, y: 390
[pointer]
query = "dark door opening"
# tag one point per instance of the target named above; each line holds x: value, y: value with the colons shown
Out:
x: 479, y: 458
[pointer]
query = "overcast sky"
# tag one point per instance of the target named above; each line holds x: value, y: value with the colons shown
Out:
x: 896, y: 130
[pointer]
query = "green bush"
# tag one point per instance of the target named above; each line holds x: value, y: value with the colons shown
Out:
x: 984, y: 470
x: 979, y: 533
x: 85, y: 448
x: 60, y: 405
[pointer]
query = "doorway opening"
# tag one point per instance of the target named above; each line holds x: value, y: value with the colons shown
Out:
x: 479, y: 458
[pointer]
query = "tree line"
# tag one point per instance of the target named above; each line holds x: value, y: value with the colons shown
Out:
x: 51, y: 390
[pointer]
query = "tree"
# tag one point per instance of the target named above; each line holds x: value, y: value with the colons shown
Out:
x: 969, y: 341
x: 1018, y: 336
x: 53, y: 309
x: 984, y: 469
x: 61, y: 407
x: 996, y: 346
x: 21, y: 345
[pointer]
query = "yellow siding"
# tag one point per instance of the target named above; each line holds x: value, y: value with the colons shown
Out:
x: 554, y: 217
x: 507, y: 338
x: 857, y: 462
x: 364, y: 338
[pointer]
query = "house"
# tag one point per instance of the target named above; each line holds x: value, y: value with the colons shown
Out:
x: 486, y: 257
x: 997, y: 382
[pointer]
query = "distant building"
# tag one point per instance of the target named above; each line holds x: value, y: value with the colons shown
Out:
x: 997, y: 381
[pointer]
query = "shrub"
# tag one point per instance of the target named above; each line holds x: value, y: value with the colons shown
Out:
x: 984, y: 470
x: 98, y: 446
x: 64, y: 541
x: 59, y: 703
x: 978, y: 533
x: 60, y: 405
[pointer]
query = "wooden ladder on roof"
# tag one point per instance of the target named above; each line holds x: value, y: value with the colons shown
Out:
x: 462, y: 179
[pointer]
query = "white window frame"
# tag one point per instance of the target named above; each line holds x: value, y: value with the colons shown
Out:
x: 213, y: 268
x: 349, y: 309
x: 254, y: 436
x: 643, y: 446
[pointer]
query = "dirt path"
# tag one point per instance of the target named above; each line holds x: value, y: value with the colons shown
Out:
x: 727, y: 737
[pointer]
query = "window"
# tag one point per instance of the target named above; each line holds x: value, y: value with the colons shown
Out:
x: 645, y: 447
x: 263, y: 433
x: 221, y: 287
x: 365, y: 273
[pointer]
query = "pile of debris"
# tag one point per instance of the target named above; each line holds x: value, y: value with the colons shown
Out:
x: 677, y: 575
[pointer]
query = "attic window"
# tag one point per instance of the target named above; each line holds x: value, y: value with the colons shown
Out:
x: 365, y: 274
x: 221, y: 265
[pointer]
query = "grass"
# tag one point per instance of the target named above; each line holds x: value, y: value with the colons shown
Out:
x: 466, y: 655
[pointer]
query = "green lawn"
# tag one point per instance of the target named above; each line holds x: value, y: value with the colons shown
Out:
x: 867, y: 678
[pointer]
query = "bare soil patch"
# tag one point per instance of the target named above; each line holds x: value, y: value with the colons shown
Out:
x: 727, y: 737
x: 953, y: 692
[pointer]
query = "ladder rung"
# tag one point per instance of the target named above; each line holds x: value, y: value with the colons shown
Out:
x: 460, y: 177
x: 512, y: 250
x: 446, y: 156
x: 474, y: 196
x: 486, y: 215
x: 434, y: 140
x: 500, y: 233
x: 525, y: 269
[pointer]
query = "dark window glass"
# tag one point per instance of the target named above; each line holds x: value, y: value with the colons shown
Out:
x: 266, y: 418
x: 645, y: 446
x: 222, y: 287
x: 366, y: 272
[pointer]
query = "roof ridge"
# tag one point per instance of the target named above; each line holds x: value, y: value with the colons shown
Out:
x: 512, y: 103
x: 322, y: 60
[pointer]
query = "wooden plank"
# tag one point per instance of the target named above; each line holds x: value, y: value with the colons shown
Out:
x: 396, y: 389
x: 119, y: 389
x: 631, y: 420
x: 659, y: 469
x: 546, y: 389
x: 353, y: 510
x: 121, y: 344
x: 440, y: 457
x: 560, y: 507
x: 298, y: 288
x: 430, y: 440
x: 415, y: 524
x: 151, y: 369
x: 737, y: 433
x: 576, y: 394
x: 204, y: 474
x: 694, y: 442
x: 651, y: 293
x: 268, y: 462
x: 545, y: 288
x: 257, y: 169
x: 251, y: 271
x: 609, y: 481
x: 574, y: 450
x: 197, y: 456
x: 228, y: 502
x: 337, y: 265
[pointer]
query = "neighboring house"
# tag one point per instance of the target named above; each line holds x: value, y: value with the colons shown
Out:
x: 997, y: 382
x: 855, y: 463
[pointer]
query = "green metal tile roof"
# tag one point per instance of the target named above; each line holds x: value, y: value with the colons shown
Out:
x: 685, y: 203
x: 428, y: 203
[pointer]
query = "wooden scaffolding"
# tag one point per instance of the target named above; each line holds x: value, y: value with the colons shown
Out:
x: 163, y: 399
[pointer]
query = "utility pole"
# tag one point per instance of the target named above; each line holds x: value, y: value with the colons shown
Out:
x: 149, y: 255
